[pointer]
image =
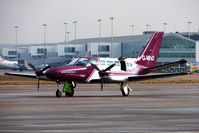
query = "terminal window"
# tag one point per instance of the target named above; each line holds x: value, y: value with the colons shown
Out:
x: 12, y: 52
x: 69, y: 50
x: 103, y: 48
x: 41, y: 50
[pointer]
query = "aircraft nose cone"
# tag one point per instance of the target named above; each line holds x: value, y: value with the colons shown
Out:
x: 52, y: 74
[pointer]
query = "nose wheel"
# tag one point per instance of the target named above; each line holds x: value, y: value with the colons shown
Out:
x: 58, y: 93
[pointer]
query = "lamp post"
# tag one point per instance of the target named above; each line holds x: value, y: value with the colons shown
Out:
x: 99, y: 20
x: 75, y: 22
x: 44, y: 57
x: 68, y: 35
x: 147, y: 27
x: 198, y: 28
x: 164, y: 24
x: 132, y: 26
x: 111, y: 36
x: 65, y: 24
x: 16, y: 41
x: 189, y: 24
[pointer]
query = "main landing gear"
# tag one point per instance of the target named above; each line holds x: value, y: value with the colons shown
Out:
x: 68, y: 89
x: 125, y: 88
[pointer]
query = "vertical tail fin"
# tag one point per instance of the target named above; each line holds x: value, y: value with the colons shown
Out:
x: 149, y: 55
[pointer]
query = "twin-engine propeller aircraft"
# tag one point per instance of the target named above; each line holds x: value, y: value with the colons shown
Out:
x: 106, y: 70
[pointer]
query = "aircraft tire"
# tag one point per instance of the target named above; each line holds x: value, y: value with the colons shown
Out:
x: 58, y: 93
x: 125, y: 91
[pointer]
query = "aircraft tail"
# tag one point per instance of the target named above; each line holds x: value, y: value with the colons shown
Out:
x: 149, y: 55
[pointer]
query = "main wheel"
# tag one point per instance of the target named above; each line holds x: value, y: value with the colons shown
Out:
x: 58, y: 93
x: 125, y: 91
x: 124, y: 88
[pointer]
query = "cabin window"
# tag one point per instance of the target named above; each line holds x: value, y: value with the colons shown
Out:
x: 109, y: 63
x: 117, y: 63
x: 93, y: 61
x: 127, y: 64
x: 102, y: 62
x: 131, y: 65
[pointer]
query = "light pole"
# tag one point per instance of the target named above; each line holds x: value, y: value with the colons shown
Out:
x: 189, y: 24
x: 99, y: 20
x: 111, y: 36
x: 75, y: 22
x: 164, y: 24
x: 198, y: 28
x: 65, y: 24
x: 44, y: 57
x: 16, y: 41
x: 132, y: 26
x: 68, y: 35
x: 147, y: 27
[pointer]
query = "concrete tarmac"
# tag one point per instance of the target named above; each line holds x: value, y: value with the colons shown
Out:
x: 149, y: 108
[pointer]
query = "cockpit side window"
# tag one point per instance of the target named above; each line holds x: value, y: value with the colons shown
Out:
x: 73, y: 61
x: 82, y: 62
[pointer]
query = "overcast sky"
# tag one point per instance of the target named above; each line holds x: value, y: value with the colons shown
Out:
x: 29, y: 15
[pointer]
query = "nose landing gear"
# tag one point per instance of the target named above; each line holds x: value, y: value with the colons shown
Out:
x: 58, y: 92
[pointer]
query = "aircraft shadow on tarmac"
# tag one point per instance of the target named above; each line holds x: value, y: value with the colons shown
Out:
x: 86, y: 96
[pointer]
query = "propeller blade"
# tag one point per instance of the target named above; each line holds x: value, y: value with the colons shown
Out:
x: 38, y: 84
x: 45, y: 68
x: 40, y: 72
x: 33, y: 67
x: 109, y: 68
x: 95, y: 67
x: 102, y: 83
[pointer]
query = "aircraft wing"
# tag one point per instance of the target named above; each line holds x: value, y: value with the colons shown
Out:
x: 154, y: 76
x: 27, y: 75
x: 132, y: 78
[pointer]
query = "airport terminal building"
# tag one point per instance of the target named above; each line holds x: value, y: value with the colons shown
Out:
x: 175, y: 46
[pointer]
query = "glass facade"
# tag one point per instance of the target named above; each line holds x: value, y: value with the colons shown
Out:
x: 103, y: 48
x: 41, y: 51
x: 69, y: 50
x: 12, y: 52
x: 175, y: 47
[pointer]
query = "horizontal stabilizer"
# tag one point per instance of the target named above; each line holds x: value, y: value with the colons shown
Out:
x: 157, y: 68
